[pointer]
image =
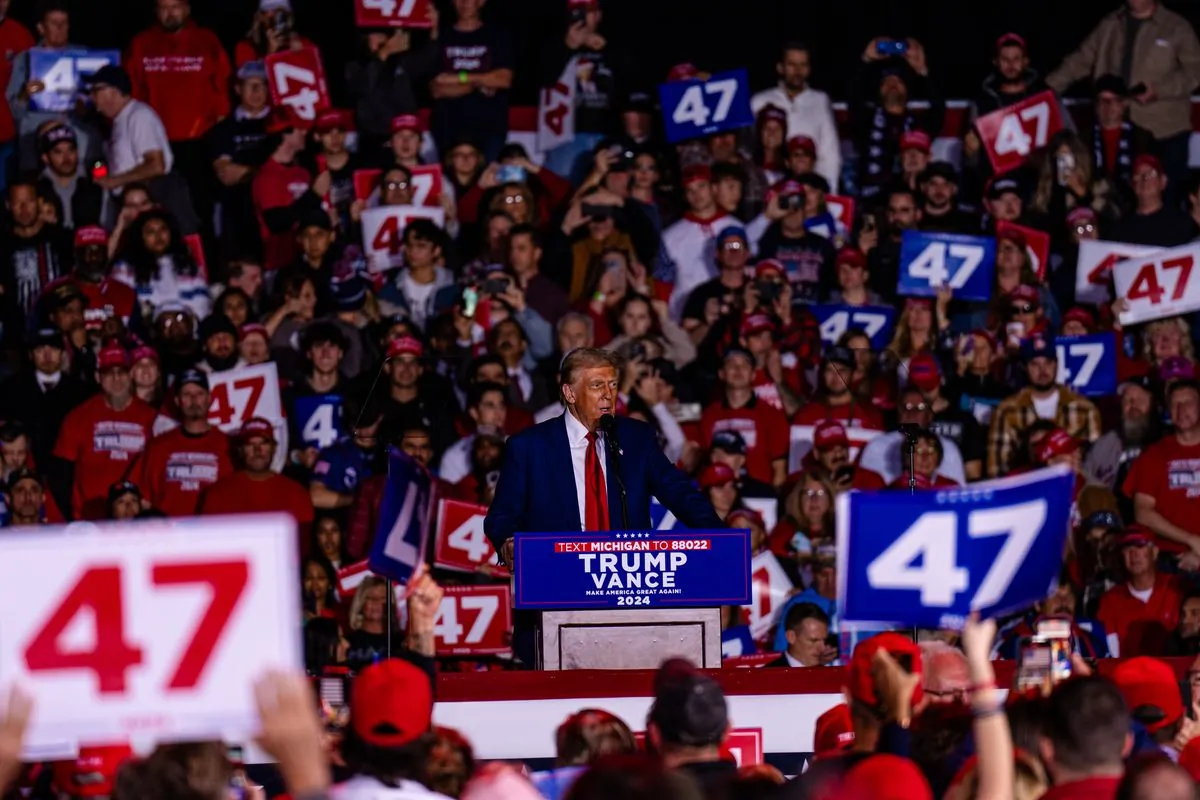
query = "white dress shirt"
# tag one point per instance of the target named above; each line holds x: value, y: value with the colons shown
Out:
x: 808, y: 114
x: 577, y: 438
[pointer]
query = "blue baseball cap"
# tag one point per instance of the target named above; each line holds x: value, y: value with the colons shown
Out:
x: 730, y: 232
x: 1038, y: 346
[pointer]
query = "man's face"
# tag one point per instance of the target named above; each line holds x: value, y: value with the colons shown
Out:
x: 801, y: 162
x: 126, y: 506
x: 194, y: 401
x: 1110, y: 109
x: 1007, y: 207
x: 1139, y: 559
x: 915, y: 410
x: 1189, y: 617
x: 523, y: 254
x: 939, y: 192
x: 420, y: 253
x: 699, y: 196
x: 255, y: 350
x: 851, y: 276
x: 27, y: 498
x: 1148, y: 184
x: 947, y: 679
x: 573, y: 334
x: 914, y: 160
x: 729, y: 194
x: 172, y: 14
x: 468, y: 8
x: 733, y: 254
x: 464, y: 158
x: 795, y: 69
x: 1061, y: 603
x: 1136, y: 403
x: 258, y: 452
x: 325, y: 357
x: 47, y: 359
x: 405, y: 370
x: 55, y: 28
x: 486, y: 454
x: 509, y: 344
x: 735, y: 461
x: 406, y: 145
x: 221, y: 345
x: 15, y: 453
x: 1042, y: 372
x: 1185, y: 410
x: 116, y: 382
x: 63, y: 159
x: 333, y: 141
x: 1011, y: 62
x: 69, y: 318
x: 902, y: 213
x: 593, y: 394
x: 315, y: 242
x: 834, y: 380
x: 892, y: 91
x: 396, y: 189
x: 253, y: 94
x: 825, y: 579
x: 23, y: 205
x: 806, y: 642
x: 1141, y: 8
x: 417, y: 446
x: 492, y: 410
x: 250, y: 280
x: 723, y: 146
x: 833, y: 457
x: 737, y: 372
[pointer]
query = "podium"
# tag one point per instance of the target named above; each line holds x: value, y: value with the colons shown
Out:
x: 630, y: 599
x: 629, y: 638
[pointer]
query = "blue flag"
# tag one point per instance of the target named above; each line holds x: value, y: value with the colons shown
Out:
x: 931, y: 558
x: 404, y: 519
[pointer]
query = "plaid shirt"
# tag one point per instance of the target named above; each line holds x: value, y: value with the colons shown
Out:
x: 1076, y: 415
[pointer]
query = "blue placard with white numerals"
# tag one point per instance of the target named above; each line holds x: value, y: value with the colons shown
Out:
x: 319, y: 419
x: 875, y: 321
x: 930, y: 558
x: 1088, y: 364
x: 611, y: 569
x: 61, y: 72
x: 695, y: 108
x: 931, y: 260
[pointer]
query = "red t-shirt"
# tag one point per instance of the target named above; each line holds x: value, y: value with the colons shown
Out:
x: 864, y: 416
x: 178, y: 467
x: 764, y: 429
x: 1087, y: 789
x: 241, y: 494
x: 107, y: 299
x: 185, y: 76
x: 1170, y: 473
x: 766, y: 390
x: 277, y: 186
x: 102, y: 443
x: 14, y: 38
x: 1142, y: 628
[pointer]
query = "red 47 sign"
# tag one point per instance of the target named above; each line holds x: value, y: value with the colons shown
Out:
x: 297, y: 81
x: 1157, y: 286
x: 426, y: 178
x: 154, y: 631
x: 474, y: 621
x: 461, y: 543
x: 1010, y: 134
x: 383, y: 233
x: 392, y: 14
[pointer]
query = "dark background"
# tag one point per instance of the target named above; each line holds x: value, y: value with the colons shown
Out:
x: 713, y: 34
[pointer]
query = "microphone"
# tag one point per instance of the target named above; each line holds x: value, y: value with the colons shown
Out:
x: 608, y: 426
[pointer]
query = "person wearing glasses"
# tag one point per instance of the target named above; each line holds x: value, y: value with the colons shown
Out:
x: 924, y: 452
x: 887, y: 455
x: 1153, y: 221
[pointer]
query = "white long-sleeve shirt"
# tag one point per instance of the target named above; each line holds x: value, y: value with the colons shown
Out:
x: 809, y: 114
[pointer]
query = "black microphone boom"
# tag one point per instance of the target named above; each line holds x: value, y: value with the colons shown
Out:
x: 608, y: 426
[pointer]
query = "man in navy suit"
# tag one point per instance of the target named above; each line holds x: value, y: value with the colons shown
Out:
x: 560, y: 476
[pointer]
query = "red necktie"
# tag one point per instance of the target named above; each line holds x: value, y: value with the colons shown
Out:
x: 595, y: 492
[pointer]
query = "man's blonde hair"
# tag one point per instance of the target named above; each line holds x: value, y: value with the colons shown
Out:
x: 582, y: 358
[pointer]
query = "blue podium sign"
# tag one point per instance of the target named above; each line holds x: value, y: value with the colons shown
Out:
x: 611, y: 569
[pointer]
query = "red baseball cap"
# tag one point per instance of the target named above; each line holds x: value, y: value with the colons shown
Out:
x: 93, y: 772
x: 1147, y: 683
x: 924, y: 372
x: 112, y: 356
x: 829, y: 433
x: 407, y: 122
x: 757, y: 323
x: 716, y: 475
x: 862, y: 685
x: 1025, y: 293
x: 334, y: 118
x: 885, y: 777
x: 257, y: 428
x: 1135, y: 535
x: 1057, y: 443
x: 143, y: 351
x: 835, y: 731
x: 252, y: 328
x: 803, y: 144
x: 1013, y: 235
x: 391, y: 703
x: 89, y: 235
x: 697, y: 172
x: 852, y: 256
x: 767, y: 266
x: 1082, y: 316
x: 986, y: 335
x: 916, y: 140
x: 405, y: 346
x: 1011, y: 39
x: 682, y: 72
x: 1147, y: 160
x: 748, y: 514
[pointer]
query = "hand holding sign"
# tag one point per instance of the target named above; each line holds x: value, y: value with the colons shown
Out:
x: 394, y: 14
x: 383, y: 233
x: 1094, y: 267
x: 694, y: 108
x: 462, y: 545
x: 1088, y: 364
x: 297, y: 82
x: 875, y: 322
x: 1011, y: 133
x: 474, y: 621
x: 1162, y: 285
x: 929, y: 261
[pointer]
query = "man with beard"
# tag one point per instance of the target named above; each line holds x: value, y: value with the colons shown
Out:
x: 487, y: 450
x: 81, y: 201
x: 1110, y: 458
x: 885, y: 85
x: 106, y: 298
x: 33, y: 254
x: 939, y: 195
x: 181, y: 464
x: 902, y: 212
x: 527, y: 389
x: 27, y: 499
x: 1043, y: 399
x: 219, y: 338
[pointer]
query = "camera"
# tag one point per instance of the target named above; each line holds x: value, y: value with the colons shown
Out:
x: 281, y: 22
x: 495, y: 286
x: 891, y: 47
x: 578, y: 16
x: 768, y: 292
x: 792, y: 202
x: 510, y: 173
x: 595, y: 211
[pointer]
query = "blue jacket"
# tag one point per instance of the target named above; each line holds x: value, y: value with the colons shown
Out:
x: 537, y: 490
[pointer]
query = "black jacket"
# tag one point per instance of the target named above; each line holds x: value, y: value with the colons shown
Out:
x: 87, y: 201
x: 42, y: 413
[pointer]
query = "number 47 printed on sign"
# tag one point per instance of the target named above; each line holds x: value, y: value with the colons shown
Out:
x: 1158, y: 286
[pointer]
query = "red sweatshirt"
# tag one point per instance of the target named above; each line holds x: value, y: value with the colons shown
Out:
x: 184, y: 75
x: 14, y: 38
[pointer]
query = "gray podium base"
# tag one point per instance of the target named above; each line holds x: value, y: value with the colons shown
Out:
x: 629, y: 639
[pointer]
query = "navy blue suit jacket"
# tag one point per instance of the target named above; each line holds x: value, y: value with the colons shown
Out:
x: 537, y: 490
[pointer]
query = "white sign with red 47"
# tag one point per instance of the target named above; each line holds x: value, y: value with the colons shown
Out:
x: 239, y: 395
x: 147, y: 631
x: 474, y: 621
x: 1161, y: 285
x: 383, y: 233
x: 1094, y: 267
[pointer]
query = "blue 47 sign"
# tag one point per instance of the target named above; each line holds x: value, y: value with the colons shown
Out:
x: 875, y: 321
x: 695, y: 108
x: 61, y: 72
x: 931, y: 558
x: 929, y: 261
x: 1088, y: 364
x: 319, y: 419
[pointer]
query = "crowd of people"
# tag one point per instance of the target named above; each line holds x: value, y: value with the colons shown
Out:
x: 175, y: 248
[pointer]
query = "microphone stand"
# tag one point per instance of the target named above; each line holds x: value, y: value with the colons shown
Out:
x: 910, y: 437
x: 609, y: 428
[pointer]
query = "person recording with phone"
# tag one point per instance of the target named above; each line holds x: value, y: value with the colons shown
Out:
x: 780, y: 233
x: 272, y: 31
